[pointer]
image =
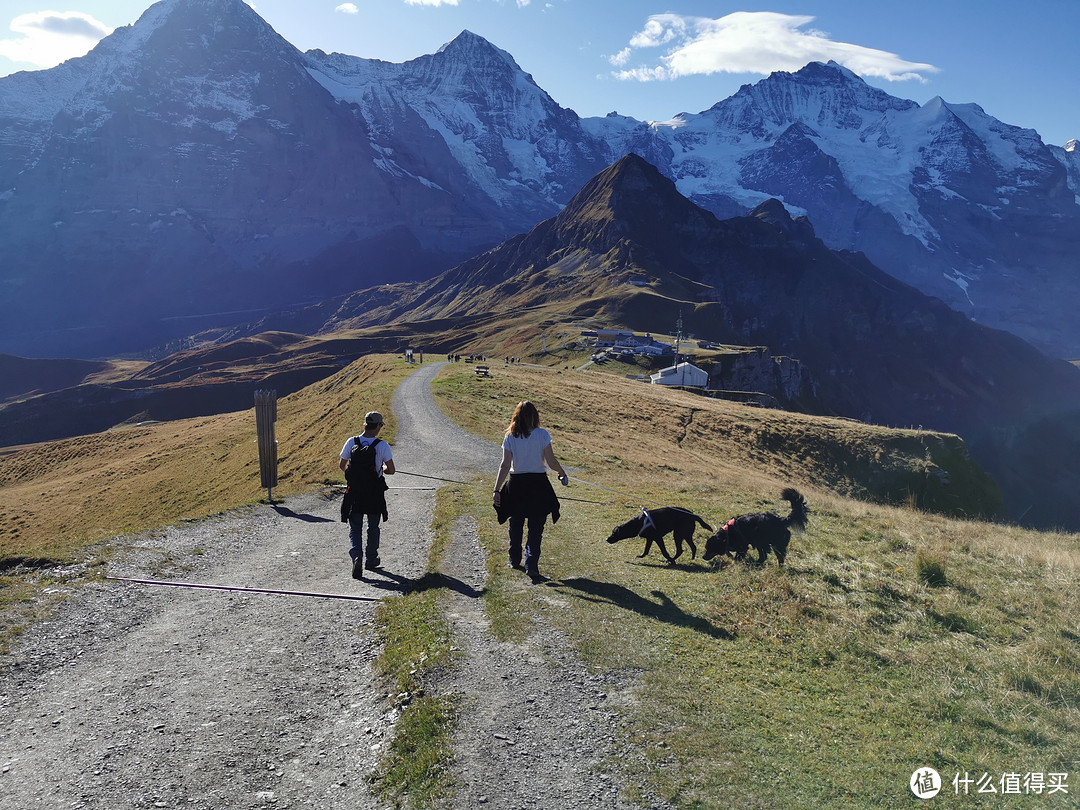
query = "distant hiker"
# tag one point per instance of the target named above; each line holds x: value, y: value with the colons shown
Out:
x: 366, y: 460
x: 527, y: 494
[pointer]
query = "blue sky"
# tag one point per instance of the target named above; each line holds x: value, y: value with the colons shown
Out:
x: 652, y: 59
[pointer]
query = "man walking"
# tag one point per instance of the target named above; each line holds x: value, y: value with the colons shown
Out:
x: 366, y: 460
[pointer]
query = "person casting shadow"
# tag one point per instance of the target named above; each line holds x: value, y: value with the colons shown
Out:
x: 527, y: 495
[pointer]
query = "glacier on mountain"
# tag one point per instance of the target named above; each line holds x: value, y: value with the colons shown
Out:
x: 284, y: 159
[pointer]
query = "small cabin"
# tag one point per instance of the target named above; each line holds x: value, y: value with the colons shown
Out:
x: 681, y: 374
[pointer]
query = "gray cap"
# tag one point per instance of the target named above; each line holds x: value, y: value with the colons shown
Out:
x: 373, y: 418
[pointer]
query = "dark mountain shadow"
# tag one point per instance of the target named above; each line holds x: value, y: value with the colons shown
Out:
x: 284, y: 511
x: 663, y: 609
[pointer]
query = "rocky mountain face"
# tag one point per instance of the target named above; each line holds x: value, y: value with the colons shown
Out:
x: 975, y: 212
x: 876, y: 348
x: 787, y: 380
x: 190, y: 167
x: 473, y: 105
x: 195, y: 168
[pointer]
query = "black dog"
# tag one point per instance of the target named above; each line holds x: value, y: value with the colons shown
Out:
x: 762, y: 530
x: 653, y: 524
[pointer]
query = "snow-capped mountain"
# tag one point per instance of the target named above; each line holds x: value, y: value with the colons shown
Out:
x: 517, y: 145
x: 190, y: 168
x: 978, y: 213
x: 196, y: 164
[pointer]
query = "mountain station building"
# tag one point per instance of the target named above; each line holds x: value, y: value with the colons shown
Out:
x: 619, y: 340
x: 681, y: 374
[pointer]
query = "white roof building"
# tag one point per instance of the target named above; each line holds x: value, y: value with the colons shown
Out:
x: 682, y: 374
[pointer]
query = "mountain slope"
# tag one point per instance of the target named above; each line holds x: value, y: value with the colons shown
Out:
x: 943, y: 196
x: 472, y: 100
x: 190, y: 165
x: 878, y: 349
x: 195, y: 167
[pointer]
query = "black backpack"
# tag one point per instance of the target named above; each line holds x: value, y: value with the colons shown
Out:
x: 361, y: 474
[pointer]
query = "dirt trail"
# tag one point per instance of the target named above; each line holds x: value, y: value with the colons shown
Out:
x: 134, y: 696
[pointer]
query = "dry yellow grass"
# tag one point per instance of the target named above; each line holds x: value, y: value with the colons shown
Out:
x: 822, y: 684
x: 59, y: 497
x: 843, y: 658
x: 655, y: 438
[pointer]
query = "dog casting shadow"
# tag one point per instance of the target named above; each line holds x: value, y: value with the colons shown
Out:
x: 763, y: 531
x: 655, y: 524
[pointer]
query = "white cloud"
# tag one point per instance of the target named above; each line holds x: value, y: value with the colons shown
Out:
x: 348, y: 8
x: 752, y: 42
x: 432, y: 2
x: 47, y: 38
x: 621, y: 58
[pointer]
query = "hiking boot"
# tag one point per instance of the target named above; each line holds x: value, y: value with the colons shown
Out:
x: 372, y: 564
x: 358, y: 568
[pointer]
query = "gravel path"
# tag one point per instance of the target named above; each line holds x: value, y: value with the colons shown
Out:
x: 134, y: 696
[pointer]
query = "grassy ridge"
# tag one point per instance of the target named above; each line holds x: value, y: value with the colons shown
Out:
x: 61, y: 502
x: 57, y: 497
x: 892, y: 640
x: 824, y: 684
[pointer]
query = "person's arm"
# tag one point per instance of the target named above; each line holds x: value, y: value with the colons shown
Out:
x: 504, y: 470
x: 388, y: 467
x: 550, y: 460
x: 343, y: 456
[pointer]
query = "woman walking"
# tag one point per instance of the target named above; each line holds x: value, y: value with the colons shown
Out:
x: 527, y: 495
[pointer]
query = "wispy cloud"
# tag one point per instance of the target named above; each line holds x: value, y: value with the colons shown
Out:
x: 751, y: 42
x: 47, y: 38
x: 431, y: 2
x: 348, y: 8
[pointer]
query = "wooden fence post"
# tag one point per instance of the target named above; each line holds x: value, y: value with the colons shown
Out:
x: 265, y: 417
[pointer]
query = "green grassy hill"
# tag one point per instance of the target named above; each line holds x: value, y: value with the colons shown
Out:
x: 893, y: 639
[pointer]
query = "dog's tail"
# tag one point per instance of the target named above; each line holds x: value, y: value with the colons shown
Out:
x: 800, y: 515
x: 698, y: 518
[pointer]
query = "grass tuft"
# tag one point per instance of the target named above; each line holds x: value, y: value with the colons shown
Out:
x: 930, y: 569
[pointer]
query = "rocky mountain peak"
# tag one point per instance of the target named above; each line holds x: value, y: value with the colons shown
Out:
x: 630, y: 197
x: 820, y: 94
x: 470, y: 47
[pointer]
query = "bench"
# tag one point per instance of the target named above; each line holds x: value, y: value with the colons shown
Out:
x: 482, y: 371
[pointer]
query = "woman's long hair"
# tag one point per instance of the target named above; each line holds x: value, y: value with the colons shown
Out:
x: 525, y: 420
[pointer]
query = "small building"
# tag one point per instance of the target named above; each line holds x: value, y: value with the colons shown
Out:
x: 609, y: 338
x: 682, y: 374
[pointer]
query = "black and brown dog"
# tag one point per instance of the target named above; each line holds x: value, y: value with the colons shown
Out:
x: 762, y: 530
x: 654, y: 524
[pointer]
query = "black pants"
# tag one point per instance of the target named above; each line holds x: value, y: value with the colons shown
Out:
x: 532, y: 546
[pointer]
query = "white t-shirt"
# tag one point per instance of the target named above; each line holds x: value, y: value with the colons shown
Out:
x: 528, y: 453
x: 382, y: 452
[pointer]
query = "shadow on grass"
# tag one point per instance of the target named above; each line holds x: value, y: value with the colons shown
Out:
x: 663, y: 609
x: 690, y: 566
